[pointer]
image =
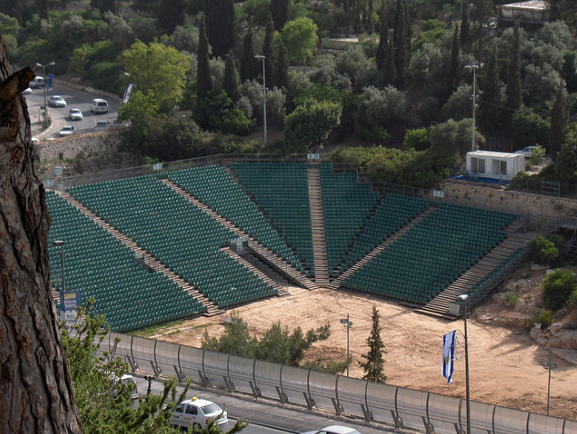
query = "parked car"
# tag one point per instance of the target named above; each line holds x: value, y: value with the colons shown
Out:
x: 334, y: 429
x: 99, y: 105
x: 67, y: 130
x: 27, y: 91
x: 56, y: 101
x: 527, y: 150
x: 197, y: 412
x: 75, y: 114
x: 101, y: 125
x: 38, y: 82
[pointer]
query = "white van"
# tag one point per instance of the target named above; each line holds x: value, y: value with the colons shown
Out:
x: 37, y: 83
x: 99, y: 106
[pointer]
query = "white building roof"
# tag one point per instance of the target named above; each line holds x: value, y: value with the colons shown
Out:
x: 531, y: 5
x: 492, y: 154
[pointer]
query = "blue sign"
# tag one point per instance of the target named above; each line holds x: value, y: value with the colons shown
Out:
x: 69, y: 302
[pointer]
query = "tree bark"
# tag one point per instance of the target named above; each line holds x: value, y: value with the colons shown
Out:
x: 36, y: 394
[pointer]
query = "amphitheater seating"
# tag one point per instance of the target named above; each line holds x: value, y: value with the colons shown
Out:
x: 392, y: 213
x: 177, y: 233
x: 281, y: 191
x: 101, y: 267
x: 214, y: 187
x: 346, y: 206
x: 431, y: 255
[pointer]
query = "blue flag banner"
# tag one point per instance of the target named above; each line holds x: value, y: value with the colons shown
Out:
x: 127, y: 93
x: 449, y: 355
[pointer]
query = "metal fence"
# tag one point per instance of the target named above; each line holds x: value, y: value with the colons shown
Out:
x: 391, y: 405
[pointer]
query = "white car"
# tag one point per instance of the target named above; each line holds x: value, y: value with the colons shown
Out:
x: 197, y: 412
x: 75, y: 114
x: 67, y: 130
x: 27, y: 91
x: 56, y: 101
x: 334, y: 429
x: 527, y: 150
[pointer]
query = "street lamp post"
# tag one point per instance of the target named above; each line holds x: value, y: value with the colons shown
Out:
x: 45, y: 105
x: 463, y: 298
x: 550, y: 367
x: 474, y: 68
x: 263, y: 58
x: 349, y: 324
x: 61, y: 244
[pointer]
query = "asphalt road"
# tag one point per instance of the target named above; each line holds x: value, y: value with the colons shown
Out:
x: 268, y: 418
x: 78, y: 98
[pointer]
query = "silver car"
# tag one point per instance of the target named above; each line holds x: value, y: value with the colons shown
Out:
x: 56, y: 101
x: 75, y: 114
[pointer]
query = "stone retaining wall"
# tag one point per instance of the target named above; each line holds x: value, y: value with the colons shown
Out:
x: 543, y: 212
x: 66, y: 148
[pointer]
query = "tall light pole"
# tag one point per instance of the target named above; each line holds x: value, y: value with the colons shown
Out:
x: 61, y: 244
x: 550, y: 367
x: 474, y: 68
x: 349, y: 324
x: 463, y: 298
x: 44, y: 76
x: 263, y: 58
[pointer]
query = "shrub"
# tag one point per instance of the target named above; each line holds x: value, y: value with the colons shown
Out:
x: 543, y: 250
x: 558, y: 287
x: 511, y: 299
x: 545, y: 318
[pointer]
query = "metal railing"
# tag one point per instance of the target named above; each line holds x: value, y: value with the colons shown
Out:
x: 391, y: 405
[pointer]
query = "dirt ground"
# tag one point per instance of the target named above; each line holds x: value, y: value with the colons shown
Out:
x: 505, y: 363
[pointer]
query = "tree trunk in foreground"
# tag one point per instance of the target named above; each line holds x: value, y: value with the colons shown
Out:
x: 35, y: 387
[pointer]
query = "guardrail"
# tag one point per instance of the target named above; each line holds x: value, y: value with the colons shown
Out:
x: 391, y: 405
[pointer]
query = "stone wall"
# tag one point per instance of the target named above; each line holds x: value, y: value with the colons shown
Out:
x: 66, y: 148
x: 543, y: 212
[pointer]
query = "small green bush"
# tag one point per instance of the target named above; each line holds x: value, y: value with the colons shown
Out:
x: 511, y: 299
x: 558, y: 287
x: 545, y: 318
x: 544, y: 250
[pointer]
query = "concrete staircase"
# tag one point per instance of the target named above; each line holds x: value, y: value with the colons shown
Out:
x: 336, y: 283
x: 439, y: 306
x: 266, y: 254
x: 149, y: 260
x: 318, y: 227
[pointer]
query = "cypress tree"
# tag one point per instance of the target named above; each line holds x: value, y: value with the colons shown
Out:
x: 268, y: 50
x: 465, y: 35
x: 453, y: 71
x: 279, y: 12
x: 230, y: 81
x: 402, y: 42
x: 203, y: 84
x: 490, y: 114
x: 514, y: 98
x: 280, y: 77
x: 220, y: 18
x: 248, y: 64
x: 43, y: 9
x: 559, y: 120
x: 385, y: 58
x: 375, y: 364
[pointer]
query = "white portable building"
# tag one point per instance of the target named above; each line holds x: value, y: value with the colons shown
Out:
x: 495, y: 165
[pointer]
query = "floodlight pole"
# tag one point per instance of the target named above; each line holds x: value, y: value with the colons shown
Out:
x: 263, y: 58
x: 60, y: 243
x: 474, y: 68
x: 44, y: 76
x: 463, y: 298
x: 550, y: 367
x: 349, y: 324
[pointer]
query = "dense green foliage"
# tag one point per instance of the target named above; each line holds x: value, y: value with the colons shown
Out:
x: 557, y: 288
x: 406, y: 73
x: 104, y: 403
x: 374, y: 365
x: 277, y: 344
x: 544, y: 250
